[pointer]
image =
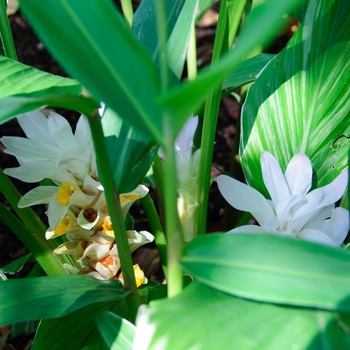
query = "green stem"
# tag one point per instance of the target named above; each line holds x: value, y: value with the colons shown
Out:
x: 192, y: 55
x: 40, y: 250
x: 162, y: 40
x: 6, y: 34
x: 115, y: 212
x: 226, y: 31
x: 128, y: 11
x: 175, y: 240
x: 157, y: 230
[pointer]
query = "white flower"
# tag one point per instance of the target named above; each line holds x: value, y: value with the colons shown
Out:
x: 51, y: 150
x: 292, y: 211
x: 187, y: 170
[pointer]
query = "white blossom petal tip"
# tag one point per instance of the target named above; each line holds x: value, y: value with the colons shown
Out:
x: 293, y: 212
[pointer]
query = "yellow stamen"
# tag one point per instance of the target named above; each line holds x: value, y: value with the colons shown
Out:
x: 139, y: 276
x: 107, y: 226
x: 65, y: 191
x: 128, y: 197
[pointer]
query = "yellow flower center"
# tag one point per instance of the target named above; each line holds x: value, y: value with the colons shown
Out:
x: 107, y: 226
x: 62, y: 226
x: 65, y: 191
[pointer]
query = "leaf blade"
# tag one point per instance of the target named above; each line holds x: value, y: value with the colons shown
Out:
x: 272, y: 269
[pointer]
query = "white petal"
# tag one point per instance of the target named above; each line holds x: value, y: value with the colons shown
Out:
x: 35, y: 126
x: 34, y: 171
x: 61, y: 132
x: 284, y: 208
x: 82, y: 133
x: 127, y: 199
x: 29, y: 149
x: 96, y: 251
x: 338, y: 225
x: 316, y: 236
x: 38, y: 195
x: 138, y: 239
x: 314, y: 198
x: 56, y: 212
x: 333, y: 191
x: 273, y: 177
x: 67, y: 248
x: 184, y: 139
x: 245, y: 198
x: 299, y: 174
x: 84, y: 223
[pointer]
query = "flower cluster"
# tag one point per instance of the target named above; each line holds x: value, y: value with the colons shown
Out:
x: 293, y: 211
x: 76, y: 205
x: 187, y: 169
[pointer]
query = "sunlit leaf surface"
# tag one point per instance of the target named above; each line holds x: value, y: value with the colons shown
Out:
x: 300, y: 103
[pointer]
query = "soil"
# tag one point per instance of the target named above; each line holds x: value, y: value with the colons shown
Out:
x: 32, y: 52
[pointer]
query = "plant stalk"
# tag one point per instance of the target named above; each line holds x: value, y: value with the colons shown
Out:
x: 6, y: 34
x: 115, y: 212
x: 157, y: 230
x: 128, y: 11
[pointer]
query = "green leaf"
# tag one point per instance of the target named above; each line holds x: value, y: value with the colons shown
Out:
x: 14, y: 105
x: 264, y: 21
x: 300, y: 102
x: 179, y: 16
x: 18, y: 78
x: 77, y: 330
x: 117, y: 332
x: 152, y: 291
x: 26, y: 88
x: 131, y: 153
x: 47, y: 297
x: 247, y: 71
x: 74, y: 331
x: 204, y: 318
x: 106, y: 57
x: 272, y: 269
x: 179, y: 38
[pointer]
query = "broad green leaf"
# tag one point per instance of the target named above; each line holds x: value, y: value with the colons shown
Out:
x: 104, y: 56
x: 300, y: 102
x: 47, y: 297
x: 117, y: 332
x: 272, y: 269
x: 204, y: 318
x: 152, y: 291
x: 14, y: 105
x: 78, y: 330
x: 179, y: 38
x: 131, y: 153
x: 181, y: 101
x: 18, y: 78
x: 247, y: 71
x: 25, y: 88
x: 145, y: 29
x: 144, y: 25
x: 180, y: 15
x: 74, y: 331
